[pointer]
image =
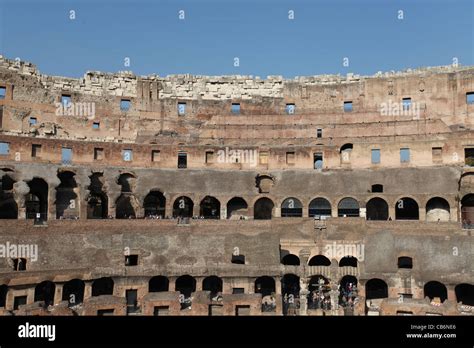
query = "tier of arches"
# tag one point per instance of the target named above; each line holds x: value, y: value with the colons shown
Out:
x: 375, y: 288
x: 155, y: 205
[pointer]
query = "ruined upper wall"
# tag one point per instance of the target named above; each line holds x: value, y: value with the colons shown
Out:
x: 126, y: 84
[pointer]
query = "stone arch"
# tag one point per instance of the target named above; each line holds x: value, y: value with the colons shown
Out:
x: 291, y: 207
x: 154, y: 204
x: 319, y: 260
x: 263, y: 209
x: 437, y: 209
x: 36, y: 201
x: 237, y: 208
x: 67, y: 202
x: 8, y: 206
x: 290, y: 260
x: 348, y: 207
x: 407, y: 208
x: 97, y: 201
x: 210, y: 208
x: 434, y: 289
x: 320, y: 207
x: 183, y: 207
x: 377, y: 209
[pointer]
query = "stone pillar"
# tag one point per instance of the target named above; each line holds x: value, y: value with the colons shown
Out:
x: 199, y: 283
x: 422, y: 211
x: 223, y: 212
x: 52, y: 203
x: 278, y: 286
x: 58, y: 293
x: 391, y: 211
x: 87, y: 289
x: 304, y: 296
x: 30, y: 296
x: 277, y: 212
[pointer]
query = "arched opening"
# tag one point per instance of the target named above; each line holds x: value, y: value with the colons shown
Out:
x: 263, y: 209
x: 406, y: 209
x: 97, y: 202
x: 3, y: 295
x: 467, y: 211
x: 290, y: 290
x: 290, y: 260
x: 464, y: 293
x: 210, y: 208
x: 103, y: 286
x: 73, y: 292
x: 158, y: 284
x: 186, y: 285
x: 345, y: 152
x: 319, y: 260
x: 265, y: 285
x: 183, y: 207
x: 291, y: 207
x: 154, y: 205
x: 66, y: 196
x: 377, y: 209
x: 127, y: 182
x: 405, y: 262
x: 348, y: 207
x: 376, y: 288
x: 318, y: 297
x: 435, y: 289
x: 44, y: 292
x: 348, y: 261
x: 212, y: 284
x: 437, y: 209
x: 319, y: 207
x: 8, y: 206
x: 36, y: 201
x: 237, y: 208
x: 348, y: 293
x: 377, y: 188
x: 124, y: 208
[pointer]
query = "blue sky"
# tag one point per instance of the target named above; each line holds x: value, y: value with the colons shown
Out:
x: 258, y: 32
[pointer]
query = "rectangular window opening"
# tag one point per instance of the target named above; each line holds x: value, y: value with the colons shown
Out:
x: 155, y: 155
x: 470, y: 98
x: 319, y: 133
x: 66, y: 155
x: 209, y: 156
x: 131, y: 260
x: 181, y: 109
x: 65, y: 99
x: 36, y: 150
x: 3, y: 92
x: 182, y: 160
x: 4, y: 148
x: 375, y: 156
x: 290, y: 109
x: 235, y: 109
x: 33, y: 121
x: 96, y: 125
x: 127, y: 155
x: 469, y: 157
x: 406, y: 102
x: 347, y: 106
x: 318, y: 160
x: 98, y: 153
x: 125, y: 104
x: 290, y: 158
x: 405, y: 155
